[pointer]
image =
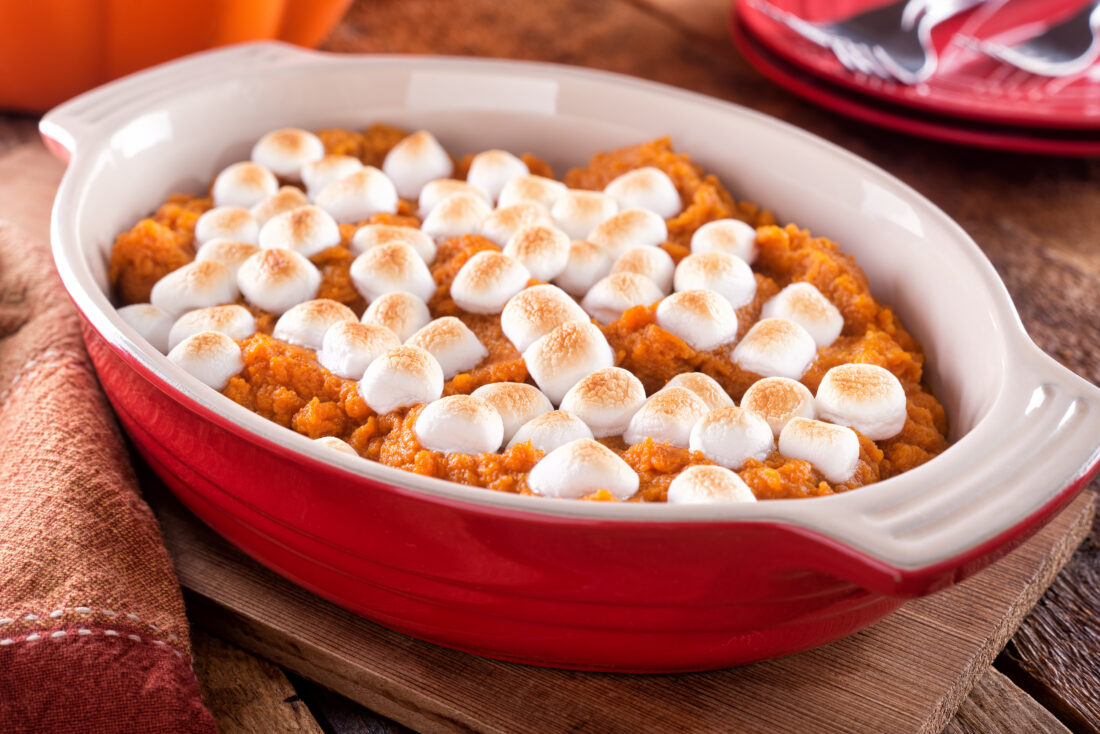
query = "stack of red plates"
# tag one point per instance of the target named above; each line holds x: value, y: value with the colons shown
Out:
x: 970, y: 99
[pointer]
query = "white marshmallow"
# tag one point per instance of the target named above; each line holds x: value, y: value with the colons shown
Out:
x: 580, y: 468
x: 230, y: 253
x: 667, y: 417
x: 610, y: 297
x: 567, y: 354
x: 335, y: 443
x: 606, y: 400
x: 866, y: 397
x: 777, y: 400
x: 535, y: 312
x: 275, y: 280
x: 455, y: 216
x: 358, y: 196
x: 454, y: 346
x: 402, y: 313
x: 415, y: 161
x: 316, y: 175
x: 234, y: 321
x: 627, y: 229
x: 587, y: 264
x: 392, y: 267
x: 439, y: 189
x: 372, y: 235
x: 579, y: 212
x: 210, y: 356
x: 805, y: 305
x: 543, y: 250
x: 307, y: 323
x: 703, y: 319
x: 349, y: 347
x: 151, y: 323
x: 460, y: 424
x: 502, y: 223
x: 832, y: 449
x: 492, y: 169
x: 539, y: 189
x: 727, y: 275
x: 652, y: 262
x: 516, y: 402
x: 551, y: 430
x: 195, y: 285
x: 726, y: 235
x: 487, y: 280
x: 731, y: 436
x: 227, y: 222
x: 705, y: 386
x: 285, y: 151
x: 286, y: 199
x: 307, y: 230
x: 401, y: 378
x: 646, y: 188
x: 775, y: 348
x: 705, y: 484
x: 243, y: 184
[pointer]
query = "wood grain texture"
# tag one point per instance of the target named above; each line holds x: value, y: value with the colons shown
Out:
x: 996, y: 706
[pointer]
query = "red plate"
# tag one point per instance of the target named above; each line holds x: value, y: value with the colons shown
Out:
x: 967, y: 84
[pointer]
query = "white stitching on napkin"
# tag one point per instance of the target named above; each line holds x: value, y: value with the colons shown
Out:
x: 30, y: 617
x: 48, y: 358
x: 84, y: 632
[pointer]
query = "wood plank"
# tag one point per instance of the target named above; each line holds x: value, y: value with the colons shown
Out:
x: 996, y: 706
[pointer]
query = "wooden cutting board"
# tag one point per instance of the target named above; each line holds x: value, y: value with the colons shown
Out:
x: 907, y: 673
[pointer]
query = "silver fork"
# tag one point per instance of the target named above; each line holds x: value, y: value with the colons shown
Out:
x: 1067, y: 48
x: 892, y: 42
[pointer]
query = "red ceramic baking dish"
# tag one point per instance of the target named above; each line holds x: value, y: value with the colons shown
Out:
x: 591, y: 585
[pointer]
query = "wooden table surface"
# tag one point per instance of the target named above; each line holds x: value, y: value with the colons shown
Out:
x: 1038, y: 220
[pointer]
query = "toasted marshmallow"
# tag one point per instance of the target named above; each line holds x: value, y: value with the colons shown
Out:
x: 402, y: 313
x: 415, y: 161
x: 195, y: 285
x: 372, y: 235
x: 705, y: 386
x: 580, y: 468
x: 152, y: 323
x: 230, y: 253
x: 275, y: 280
x: 210, y: 356
x: 667, y: 417
x: 358, y: 196
x: 731, y: 436
x: 706, y: 484
x: 286, y: 199
x: 726, y: 235
x: 727, y: 275
x: 516, y: 402
x: 453, y: 345
x: 285, y: 151
x: 539, y: 189
x: 458, y: 214
x: 502, y: 223
x: 306, y: 323
x: 627, y: 229
x: 566, y: 355
x: 349, y: 347
x: 543, y: 250
x: 401, y: 378
x: 227, y: 222
x: 316, y: 175
x: 389, y: 268
x: 652, y: 262
x: 234, y: 321
x: 492, y: 169
x: 832, y: 449
x: 243, y: 184
x: 535, y: 312
x: 587, y: 264
x: 703, y: 319
x: 439, y: 189
x: 487, y: 280
x: 777, y: 400
x: 775, y: 348
x: 460, y: 424
x: 646, y: 188
x: 866, y: 397
x: 611, y: 296
x: 579, y: 212
x: 307, y: 230
x: 551, y: 430
x: 335, y: 443
x: 606, y: 400
x: 805, y: 305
